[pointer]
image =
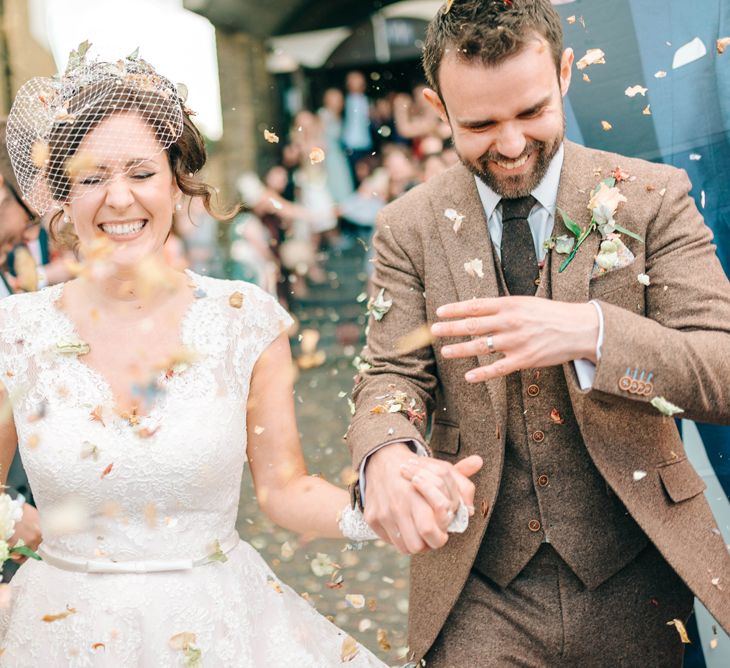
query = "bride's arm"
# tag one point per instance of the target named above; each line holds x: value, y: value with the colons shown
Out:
x: 8, y: 436
x: 286, y: 492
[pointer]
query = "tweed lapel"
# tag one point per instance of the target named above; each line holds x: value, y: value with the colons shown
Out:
x: 471, y: 242
x: 577, y: 180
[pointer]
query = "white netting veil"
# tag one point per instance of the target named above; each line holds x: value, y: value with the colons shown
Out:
x: 52, y: 116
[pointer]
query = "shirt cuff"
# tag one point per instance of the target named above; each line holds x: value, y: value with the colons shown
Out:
x: 585, y: 370
x: 413, y: 445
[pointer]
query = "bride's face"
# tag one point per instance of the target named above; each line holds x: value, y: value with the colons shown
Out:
x: 123, y: 189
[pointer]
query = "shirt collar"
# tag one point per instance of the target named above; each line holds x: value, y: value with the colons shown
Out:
x: 546, y: 192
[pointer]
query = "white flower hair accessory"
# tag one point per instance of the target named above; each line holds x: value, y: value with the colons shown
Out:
x: 51, y: 116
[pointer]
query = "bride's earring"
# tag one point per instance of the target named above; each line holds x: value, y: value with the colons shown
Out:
x: 66, y: 219
x: 178, y: 207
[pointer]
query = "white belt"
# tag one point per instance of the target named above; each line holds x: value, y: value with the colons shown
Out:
x: 146, y: 566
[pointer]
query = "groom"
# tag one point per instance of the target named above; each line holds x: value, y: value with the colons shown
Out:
x: 591, y: 531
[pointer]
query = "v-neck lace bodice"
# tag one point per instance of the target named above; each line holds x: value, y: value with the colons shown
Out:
x: 181, y: 465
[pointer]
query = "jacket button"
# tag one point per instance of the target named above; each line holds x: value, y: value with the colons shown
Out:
x: 538, y: 436
x: 542, y: 481
x: 534, y: 526
x: 533, y: 390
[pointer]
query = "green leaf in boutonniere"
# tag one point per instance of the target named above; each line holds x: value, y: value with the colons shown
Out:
x: 570, y: 224
x: 628, y: 233
x: 578, y: 244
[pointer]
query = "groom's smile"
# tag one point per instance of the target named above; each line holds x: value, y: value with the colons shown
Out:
x: 508, y: 123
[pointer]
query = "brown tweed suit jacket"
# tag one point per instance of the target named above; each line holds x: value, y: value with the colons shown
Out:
x: 678, y: 329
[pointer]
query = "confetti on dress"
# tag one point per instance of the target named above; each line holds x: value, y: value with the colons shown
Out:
x: 592, y: 57
x: 349, y: 649
x: 236, y: 300
x: 77, y: 347
x: 59, y: 616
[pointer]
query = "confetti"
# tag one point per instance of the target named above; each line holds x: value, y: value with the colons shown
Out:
x: 97, y: 415
x: 379, y: 306
x: 40, y: 153
x: 592, y: 57
x: 586, y: 78
x: 97, y: 645
x: 322, y: 565
x: 666, y: 407
x: 271, y: 137
x: 660, y: 74
x: 349, y: 649
x: 695, y: 156
x: 713, y: 642
x: 644, y: 279
x: 681, y: 630
x: 455, y: 217
x: 236, y: 300
x: 571, y: 19
x: 274, y: 585
x: 59, y: 616
x: 418, y: 338
x: 89, y: 451
x: 555, y: 417
x: 474, y: 268
x: 447, y: 6
x: 646, y: 110
x: 357, y: 601
x: 383, y: 642
x: 316, y: 155
x: 632, y: 91
x: 33, y: 441
x: 639, y: 475
x: 106, y: 471
x: 688, y: 53
x: 217, y: 554
x: 606, y: 126
x: 77, y: 347
x: 722, y: 44
x: 259, y: 430
x: 287, y: 551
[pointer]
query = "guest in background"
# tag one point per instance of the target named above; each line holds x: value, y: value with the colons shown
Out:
x: 356, y: 129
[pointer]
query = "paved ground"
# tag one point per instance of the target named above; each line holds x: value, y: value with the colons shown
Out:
x: 376, y: 572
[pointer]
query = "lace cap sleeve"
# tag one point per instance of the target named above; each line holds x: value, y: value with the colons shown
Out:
x: 267, y: 317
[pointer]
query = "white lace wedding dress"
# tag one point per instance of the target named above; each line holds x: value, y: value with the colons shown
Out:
x: 138, y: 517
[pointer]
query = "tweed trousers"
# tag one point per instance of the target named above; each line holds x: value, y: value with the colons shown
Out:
x: 547, y: 618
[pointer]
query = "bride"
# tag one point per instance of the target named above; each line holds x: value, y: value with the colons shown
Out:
x: 137, y: 393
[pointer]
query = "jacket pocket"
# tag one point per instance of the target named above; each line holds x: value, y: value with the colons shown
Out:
x: 680, y: 480
x: 445, y: 438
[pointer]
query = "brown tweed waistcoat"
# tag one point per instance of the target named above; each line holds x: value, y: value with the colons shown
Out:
x: 550, y: 488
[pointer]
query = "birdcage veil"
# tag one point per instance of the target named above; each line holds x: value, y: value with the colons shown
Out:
x: 51, y: 116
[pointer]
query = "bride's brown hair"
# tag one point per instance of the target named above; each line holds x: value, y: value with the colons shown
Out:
x: 186, y: 155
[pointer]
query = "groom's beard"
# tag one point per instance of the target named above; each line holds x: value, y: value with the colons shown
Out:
x: 522, y: 184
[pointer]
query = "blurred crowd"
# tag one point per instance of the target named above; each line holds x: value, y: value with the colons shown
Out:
x: 338, y: 166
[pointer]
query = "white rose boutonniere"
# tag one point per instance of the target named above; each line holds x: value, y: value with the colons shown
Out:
x: 603, y: 204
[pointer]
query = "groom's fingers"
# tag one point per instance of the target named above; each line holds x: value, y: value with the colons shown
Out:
x: 442, y: 483
x: 426, y: 484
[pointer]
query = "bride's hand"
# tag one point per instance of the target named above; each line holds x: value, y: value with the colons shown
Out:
x: 443, y: 484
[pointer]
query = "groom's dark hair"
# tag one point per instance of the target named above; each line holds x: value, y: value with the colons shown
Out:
x: 490, y: 31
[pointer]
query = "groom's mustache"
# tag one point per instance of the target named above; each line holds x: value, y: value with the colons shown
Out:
x: 494, y: 156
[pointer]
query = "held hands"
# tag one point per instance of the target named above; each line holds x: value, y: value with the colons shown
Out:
x: 530, y: 332
x: 412, y: 500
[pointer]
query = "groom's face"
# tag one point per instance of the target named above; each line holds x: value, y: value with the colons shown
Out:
x: 507, y: 121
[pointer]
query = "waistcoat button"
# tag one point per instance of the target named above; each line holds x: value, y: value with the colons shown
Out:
x: 538, y: 436
x: 542, y: 481
x: 534, y: 525
x: 533, y: 390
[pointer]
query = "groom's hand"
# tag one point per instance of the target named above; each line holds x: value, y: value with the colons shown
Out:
x: 399, y: 513
x: 530, y: 332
